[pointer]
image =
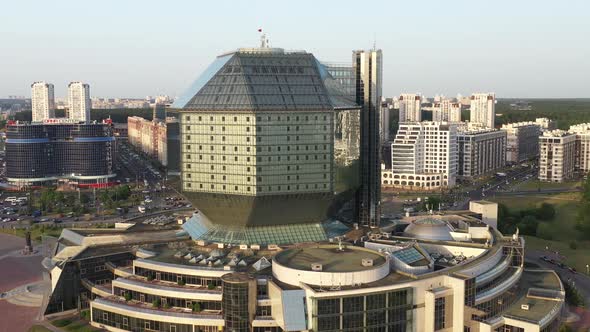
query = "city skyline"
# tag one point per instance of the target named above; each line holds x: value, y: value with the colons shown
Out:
x: 143, y: 52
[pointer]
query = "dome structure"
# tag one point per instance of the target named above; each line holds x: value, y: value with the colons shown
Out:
x: 429, y: 229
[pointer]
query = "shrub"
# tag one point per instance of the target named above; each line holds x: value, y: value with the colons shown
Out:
x: 85, y: 314
x: 210, y: 286
x: 197, y: 307
x: 181, y: 282
x: 156, y: 303
x: 150, y: 277
x: 573, y: 245
x: 127, y: 296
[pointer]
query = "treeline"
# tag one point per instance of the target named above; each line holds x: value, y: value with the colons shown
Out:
x: 534, y: 222
x: 583, y: 223
x: 118, y: 115
x: 565, y: 112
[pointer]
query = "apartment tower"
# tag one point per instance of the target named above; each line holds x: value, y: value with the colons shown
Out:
x: 79, y: 101
x: 42, y: 101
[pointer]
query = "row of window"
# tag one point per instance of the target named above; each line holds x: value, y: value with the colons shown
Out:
x: 258, y: 138
x: 260, y: 188
x: 259, y: 148
x: 258, y: 159
x: 259, y: 118
x: 258, y: 178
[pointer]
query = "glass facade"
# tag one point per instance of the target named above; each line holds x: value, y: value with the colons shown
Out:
x: 59, y: 150
x: 391, y: 311
x: 235, y: 302
x: 171, y: 301
x: 174, y: 277
x: 143, y: 325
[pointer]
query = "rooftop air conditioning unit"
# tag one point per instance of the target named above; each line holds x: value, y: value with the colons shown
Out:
x: 316, y: 267
x: 367, y: 262
x: 524, y: 307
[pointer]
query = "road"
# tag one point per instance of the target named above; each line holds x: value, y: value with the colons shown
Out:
x: 580, y: 279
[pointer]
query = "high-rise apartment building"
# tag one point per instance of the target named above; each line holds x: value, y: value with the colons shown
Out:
x: 523, y: 141
x: 546, y: 124
x: 446, y: 110
x: 410, y: 108
x: 557, y: 155
x: 480, y: 152
x: 423, y: 156
x: 582, y: 131
x: 368, y: 72
x: 483, y: 109
x: 42, y: 101
x: 153, y: 138
x: 79, y: 101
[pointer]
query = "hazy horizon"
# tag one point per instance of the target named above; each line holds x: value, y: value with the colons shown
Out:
x: 525, y: 49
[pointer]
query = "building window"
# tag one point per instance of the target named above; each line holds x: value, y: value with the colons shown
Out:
x: 439, y: 313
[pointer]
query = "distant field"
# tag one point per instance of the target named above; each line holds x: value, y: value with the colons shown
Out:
x: 565, y: 111
x: 535, y: 185
x: 566, y: 209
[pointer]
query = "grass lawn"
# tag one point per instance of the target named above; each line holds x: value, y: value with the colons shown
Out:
x: 566, y: 209
x: 39, y: 328
x: 576, y: 258
x: 36, y: 231
x: 74, y: 325
x: 535, y: 185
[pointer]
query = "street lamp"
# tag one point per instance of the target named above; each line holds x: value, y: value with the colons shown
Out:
x: 587, y: 269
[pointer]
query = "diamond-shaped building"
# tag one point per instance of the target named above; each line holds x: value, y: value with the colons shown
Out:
x: 257, y: 147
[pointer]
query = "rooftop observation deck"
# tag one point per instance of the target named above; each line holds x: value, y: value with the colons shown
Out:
x: 330, y: 257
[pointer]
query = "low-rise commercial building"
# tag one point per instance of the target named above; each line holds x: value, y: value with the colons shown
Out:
x: 480, y: 152
x: 522, y: 141
x: 436, y: 272
x: 557, y: 157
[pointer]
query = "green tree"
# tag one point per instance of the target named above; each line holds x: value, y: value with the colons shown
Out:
x: 545, y: 212
x: 528, y: 225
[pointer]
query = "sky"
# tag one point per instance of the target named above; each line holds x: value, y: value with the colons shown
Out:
x: 129, y: 48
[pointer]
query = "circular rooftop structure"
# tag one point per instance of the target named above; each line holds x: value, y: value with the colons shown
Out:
x: 328, y: 265
x: 430, y: 228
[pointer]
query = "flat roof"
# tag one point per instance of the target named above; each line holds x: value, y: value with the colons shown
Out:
x: 330, y: 257
x: 539, y: 306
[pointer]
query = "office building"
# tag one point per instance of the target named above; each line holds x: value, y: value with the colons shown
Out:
x: 446, y: 110
x: 43, y: 153
x: 557, y: 156
x: 523, y: 141
x: 153, y: 139
x: 42, y: 101
x: 483, y: 109
x: 257, y: 145
x: 368, y: 72
x: 438, y: 272
x: 342, y: 89
x: 79, y: 104
x: 410, y: 108
x: 481, y: 152
x: 423, y: 156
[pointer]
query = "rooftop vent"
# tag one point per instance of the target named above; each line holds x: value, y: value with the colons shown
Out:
x: 524, y: 307
x: 367, y: 262
x: 316, y: 267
